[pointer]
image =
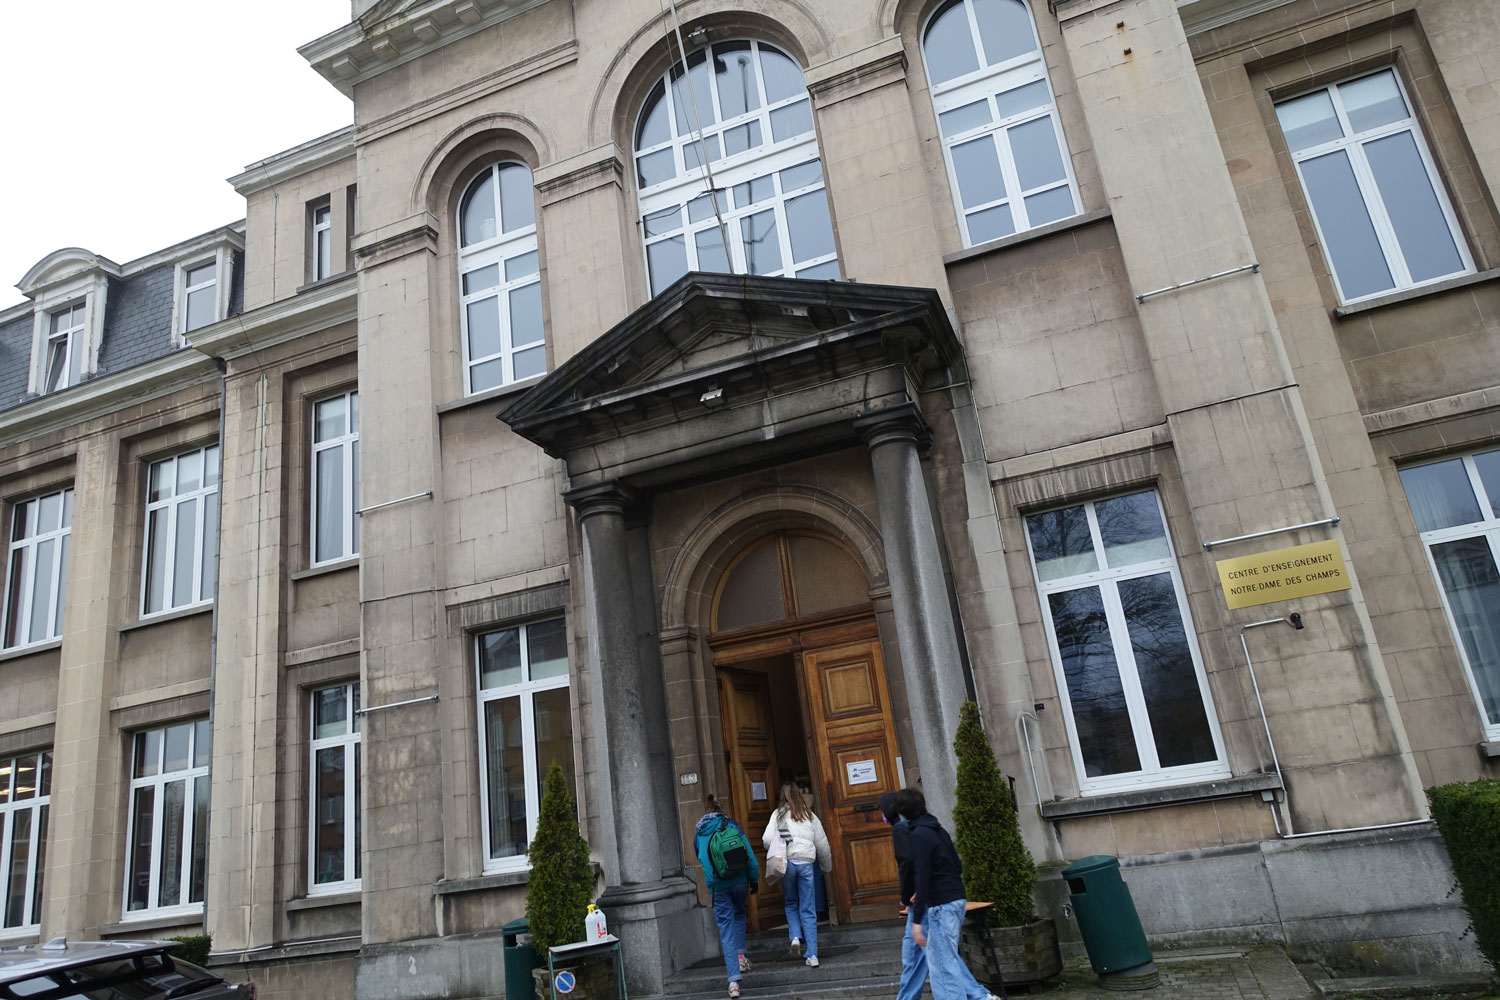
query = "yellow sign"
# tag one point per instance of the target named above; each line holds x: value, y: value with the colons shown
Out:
x: 1280, y: 575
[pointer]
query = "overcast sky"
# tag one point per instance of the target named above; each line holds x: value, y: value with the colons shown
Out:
x: 120, y: 119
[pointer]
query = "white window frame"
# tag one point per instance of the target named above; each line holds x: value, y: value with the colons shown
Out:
x: 1151, y: 774
x: 222, y: 257
x: 25, y: 549
x: 158, y: 782
x: 71, y: 336
x: 88, y: 287
x: 763, y: 161
x: 349, y: 514
x: 1486, y: 528
x: 1353, y: 144
x: 349, y: 742
x: 497, y: 251
x: 987, y: 83
x: 38, y: 805
x: 207, y: 493
x: 322, y: 240
x: 525, y: 690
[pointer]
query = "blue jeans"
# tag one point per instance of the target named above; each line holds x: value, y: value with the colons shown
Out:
x: 951, y: 978
x: 729, y: 914
x: 800, y: 889
x: 913, y: 967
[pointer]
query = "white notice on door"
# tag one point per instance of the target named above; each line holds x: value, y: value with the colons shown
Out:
x: 757, y: 791
x: 861, y: 772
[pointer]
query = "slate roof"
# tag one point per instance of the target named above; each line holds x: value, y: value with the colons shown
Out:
x: 137, y: 328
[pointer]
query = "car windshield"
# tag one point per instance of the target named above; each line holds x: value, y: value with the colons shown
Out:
x: 142, y: 977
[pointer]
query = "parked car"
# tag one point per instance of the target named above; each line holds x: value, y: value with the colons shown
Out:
x: 109, y: 970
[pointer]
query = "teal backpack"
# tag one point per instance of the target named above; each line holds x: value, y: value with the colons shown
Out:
x: 728, y: 850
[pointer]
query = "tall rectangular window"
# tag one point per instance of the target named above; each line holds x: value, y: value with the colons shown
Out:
x: 1382, y: 216
x: 65, y: 342
x: 525, y: 725
x: 1454, y: 504
x: 1123, y: 647
x: 36, y: 582
x: 25, y: 795
x: 167, y: 840
x: 333, y: 824
x: 335, y: 478
x: 181, y: 564
x: 322, y: 242
x: 199, y: 293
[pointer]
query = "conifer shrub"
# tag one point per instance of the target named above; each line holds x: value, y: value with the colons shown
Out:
x: 997, y: 866
x: 1468, y: 816
x: 561, y: 885
x: 195, y: 948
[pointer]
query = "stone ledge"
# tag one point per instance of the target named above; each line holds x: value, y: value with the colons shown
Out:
x: 334, y: 567
x: 499, y: 392
x: 1490, y: 749
x: 191, y: 923
x: 18, y: 652
x: 321, y: 902
x: 166, y: 616
x: 292, y: 949
x: 1151, y: 798
x: 478, y: 883
x: 1412, y: 294
x: 1039, y: 233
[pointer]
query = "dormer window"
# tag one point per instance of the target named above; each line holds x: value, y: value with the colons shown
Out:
x: 199, y: 287
x: 64, y: 348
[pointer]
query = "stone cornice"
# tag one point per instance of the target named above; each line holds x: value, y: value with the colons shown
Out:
x: 397, y: 239
x: 98, y: 396
x: 311, y: 155
x: 874, y: 65
x: 583, y: 172
x: 358, y: 52
x: 316, y: 309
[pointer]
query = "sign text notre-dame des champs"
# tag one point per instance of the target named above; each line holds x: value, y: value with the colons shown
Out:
x: 1282, y: 574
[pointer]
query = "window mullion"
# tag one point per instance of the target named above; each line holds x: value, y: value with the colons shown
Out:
x: 8, y: 818
x: 1385, y: 231
x: 528, y: 762
x: 158, y: 812
x: 1130, y: 681
x: 28, y: 585
x: 347, y: 515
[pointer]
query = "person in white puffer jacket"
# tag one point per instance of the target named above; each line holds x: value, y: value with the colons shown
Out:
x: 806, y: 843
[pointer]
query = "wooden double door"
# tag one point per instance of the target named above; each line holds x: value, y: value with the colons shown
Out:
x: 832, y: 730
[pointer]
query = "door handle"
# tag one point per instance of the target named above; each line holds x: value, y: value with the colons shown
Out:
x: 866, y: 807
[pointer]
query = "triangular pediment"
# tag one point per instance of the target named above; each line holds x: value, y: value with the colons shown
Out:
x: 748, y: 336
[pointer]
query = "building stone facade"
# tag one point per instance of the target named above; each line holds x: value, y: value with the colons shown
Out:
x: 462, y: 455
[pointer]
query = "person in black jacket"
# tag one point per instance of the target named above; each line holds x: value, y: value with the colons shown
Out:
x: 913, y: 958
x: 937, y: 903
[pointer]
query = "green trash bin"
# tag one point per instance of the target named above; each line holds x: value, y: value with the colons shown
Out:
x: 1110, y: 927
x: 520, y: 959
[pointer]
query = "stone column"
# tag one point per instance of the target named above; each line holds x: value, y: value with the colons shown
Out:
x: 925, y: 625
x: 653, y: 916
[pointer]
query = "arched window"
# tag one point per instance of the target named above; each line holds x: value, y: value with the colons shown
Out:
x: 768, y: 212
x: 499, y: 286
x: 1007, y: 162
x: 787, y: 576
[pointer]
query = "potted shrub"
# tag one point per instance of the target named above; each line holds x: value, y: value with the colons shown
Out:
x: 1006, y: 941
x: 561, y: 885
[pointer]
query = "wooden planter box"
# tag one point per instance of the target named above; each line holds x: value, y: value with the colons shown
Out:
x: 1012, y: 955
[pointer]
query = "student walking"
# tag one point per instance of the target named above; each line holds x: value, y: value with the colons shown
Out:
x: 913, y: 958
x: 731, y: 874
x: 806, y: 843
x: 938, y: 904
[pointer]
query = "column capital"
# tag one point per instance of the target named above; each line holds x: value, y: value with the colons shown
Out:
x: 601, y: 498
x: 902, y: 422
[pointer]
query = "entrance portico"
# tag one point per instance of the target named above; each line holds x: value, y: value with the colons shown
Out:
x: 717, y: 377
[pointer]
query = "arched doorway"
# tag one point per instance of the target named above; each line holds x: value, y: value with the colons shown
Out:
x: 803, y: 696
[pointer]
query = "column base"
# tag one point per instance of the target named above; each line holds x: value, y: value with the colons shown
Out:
x: 661, y: 930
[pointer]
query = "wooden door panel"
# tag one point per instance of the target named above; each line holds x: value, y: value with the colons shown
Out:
x: 856, y: 747
x: 749, y: 738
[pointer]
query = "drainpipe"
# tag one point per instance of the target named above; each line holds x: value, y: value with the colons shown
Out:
x: 213, y: 635
x: 1295, y: 621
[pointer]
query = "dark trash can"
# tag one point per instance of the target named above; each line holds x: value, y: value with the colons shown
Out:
x: 520, y: 959
x: 1110, y: 926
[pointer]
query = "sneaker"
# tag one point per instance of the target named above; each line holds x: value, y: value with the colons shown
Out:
x: 734, y: 990
x: 812, y: 961
x: 744, y: 964
x: 796, y: 947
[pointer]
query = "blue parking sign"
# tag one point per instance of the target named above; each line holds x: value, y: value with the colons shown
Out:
x: 565, y: 982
